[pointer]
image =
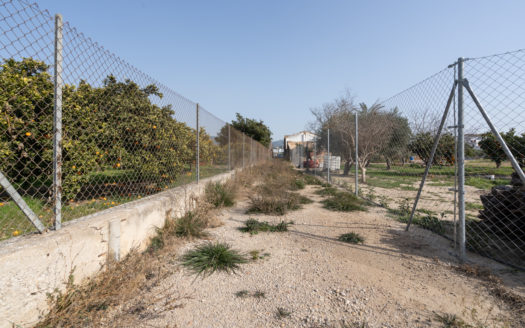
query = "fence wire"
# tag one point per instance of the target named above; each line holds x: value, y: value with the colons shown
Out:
x: 395, y: 141
x: 125, y: 135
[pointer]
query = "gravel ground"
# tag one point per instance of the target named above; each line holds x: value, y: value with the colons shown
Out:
x: 394, y: 279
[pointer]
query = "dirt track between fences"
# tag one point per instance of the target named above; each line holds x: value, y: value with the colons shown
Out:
x: 394, y: 279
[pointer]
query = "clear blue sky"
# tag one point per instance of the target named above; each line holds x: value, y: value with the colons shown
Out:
x: 275, y: 59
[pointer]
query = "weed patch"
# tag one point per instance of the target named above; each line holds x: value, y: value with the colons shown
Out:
x: 256, y: 255
x: 277, y: 202
x: 254, y: 226
x: 326, y: 191
x: 473, y: 206
x: 282, y: 313
x: 427, y: 222
x: 220, y: 194
x: 211, y: 257
x: 352, y: 238
x: 452, y: 321
x: 344, y: 202
x: 244, y: 294
x: 311, y: 180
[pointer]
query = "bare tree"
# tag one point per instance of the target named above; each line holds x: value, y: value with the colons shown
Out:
x: 337, y: 116
x: 376, y: 130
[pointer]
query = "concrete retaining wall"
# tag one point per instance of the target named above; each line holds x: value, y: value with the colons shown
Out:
x: 34, y: 265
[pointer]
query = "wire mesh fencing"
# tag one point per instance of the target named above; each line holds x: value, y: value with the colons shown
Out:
x: 81, y: 130
x: 472, y: 191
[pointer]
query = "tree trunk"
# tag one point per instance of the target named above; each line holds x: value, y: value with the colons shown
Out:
x: 363, y: 172
x: 498, y: 164
x: 388, y: 163
x: 348, y: 166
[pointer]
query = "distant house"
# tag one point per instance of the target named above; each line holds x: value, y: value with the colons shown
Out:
x: 277, y: 152
x: 298, y: 146
x: 473, y: 140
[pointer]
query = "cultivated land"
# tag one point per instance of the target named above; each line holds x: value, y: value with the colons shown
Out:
x: 306, y: 277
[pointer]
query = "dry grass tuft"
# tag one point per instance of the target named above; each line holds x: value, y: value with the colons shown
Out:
x: 273, y: 193
x: 221, y: 194
x: 88, y: 304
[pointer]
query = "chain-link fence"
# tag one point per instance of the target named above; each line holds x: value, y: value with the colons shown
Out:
x: 472, y: 192
x: 81, y: 130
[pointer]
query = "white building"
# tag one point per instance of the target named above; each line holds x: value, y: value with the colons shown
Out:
x: 298, y: 146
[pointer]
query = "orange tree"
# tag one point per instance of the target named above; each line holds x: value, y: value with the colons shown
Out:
x: 26, y: 125
x: 115, y: 126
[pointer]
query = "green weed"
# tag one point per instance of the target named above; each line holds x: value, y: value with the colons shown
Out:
x: 211, y: 257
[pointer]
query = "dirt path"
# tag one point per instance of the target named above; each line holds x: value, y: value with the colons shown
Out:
x: 395, y: 279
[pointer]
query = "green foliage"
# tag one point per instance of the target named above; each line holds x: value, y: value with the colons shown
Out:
x: 26, y: 122
x: 428, y: 222
x: 326, y: 191
x: 297, y: 183
x: 344, y: 202
x: 114, y: 126
x: 211, y: 257
x: 397, y: 146
x: 254, y: 226
x: 311, y: 180
x: 220, y: 194
x: 494, y: 151
x: 352, y: 238
x: 257, y: 130
x: 422, y: 143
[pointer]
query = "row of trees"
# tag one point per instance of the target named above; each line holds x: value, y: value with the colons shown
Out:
x: 385, y: 134
x: 115, y: 126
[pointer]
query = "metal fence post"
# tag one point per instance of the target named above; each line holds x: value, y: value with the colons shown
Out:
x: 315, y: 156
x: 461, y: 163
x: 356, y: 155
x: 198, y: 137
x: 229, y: 151
x: 329, y: 157
x: 57, y: 125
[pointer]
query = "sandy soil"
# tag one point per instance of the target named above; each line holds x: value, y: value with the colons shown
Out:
x: 394, y: 279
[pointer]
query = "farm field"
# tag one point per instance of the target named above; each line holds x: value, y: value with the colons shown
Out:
x: 307, y: 276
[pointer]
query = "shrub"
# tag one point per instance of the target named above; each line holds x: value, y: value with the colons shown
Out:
x: 191, y: 225
x: 310, y: 180
x: 344, y: 202
x: 211, y: 257
x: 297, y: 183
x: 279, y: 202
x: 220, y: 194
x: 352, y: 238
